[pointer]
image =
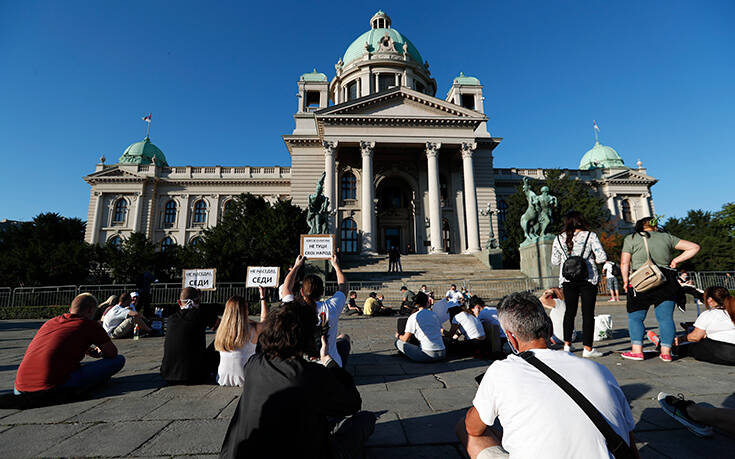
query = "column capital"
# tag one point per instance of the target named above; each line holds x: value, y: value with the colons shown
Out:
x: 367, y: 148
x: 329, y: 147
x: 432, y: 149
x: 468, y: 148
x: 646, y: 195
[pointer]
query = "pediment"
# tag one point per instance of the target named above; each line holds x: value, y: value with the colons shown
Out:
x: 628, y: 176
x: 112, y: 172
x: 400, y: 103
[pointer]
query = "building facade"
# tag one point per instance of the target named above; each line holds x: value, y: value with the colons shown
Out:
x: 403, y: 167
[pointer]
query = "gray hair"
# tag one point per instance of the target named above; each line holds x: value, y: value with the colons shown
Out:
x: 523, y: 314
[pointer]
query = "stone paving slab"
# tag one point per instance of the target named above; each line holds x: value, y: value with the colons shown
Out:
x: 186, y: 437
x: 128, y: 436
x: 51, y: 414
x: 31, y: 440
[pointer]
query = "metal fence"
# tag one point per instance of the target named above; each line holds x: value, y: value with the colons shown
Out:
x: 704, y: 279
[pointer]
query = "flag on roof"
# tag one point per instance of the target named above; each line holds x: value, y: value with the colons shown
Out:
x: 147, y: 118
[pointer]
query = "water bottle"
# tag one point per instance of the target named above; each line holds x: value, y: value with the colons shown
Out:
x: 136, y: 332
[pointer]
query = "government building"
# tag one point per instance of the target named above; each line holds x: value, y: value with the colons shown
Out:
x: 404, y: 166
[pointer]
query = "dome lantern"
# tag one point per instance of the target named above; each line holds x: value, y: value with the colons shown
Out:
x: 380, y: 21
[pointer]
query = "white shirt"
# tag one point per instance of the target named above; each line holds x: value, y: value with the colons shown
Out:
x: 592, y: 251
x: 333, y: 307
x: 453, y: 295
x: 539, y: 419
x: 426, y: 327
x: 717, y: 324
x: 440, y: 308
x: 115, y: 317
x: 489, y: 315
x: 469, y: 325
x: 607, y: 269
x: 231, y: 370
x: 556, y: 314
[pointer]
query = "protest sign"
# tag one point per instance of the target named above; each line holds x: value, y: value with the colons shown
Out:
x: 262, y: 276
x: 203, y: 279
x: 317, y: 246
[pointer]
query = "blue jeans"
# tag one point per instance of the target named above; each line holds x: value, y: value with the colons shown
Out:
x: 91, y: 374
x: 417, y: 354
x: 665, y: 318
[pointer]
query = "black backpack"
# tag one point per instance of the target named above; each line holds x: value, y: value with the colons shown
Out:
x: 574, y: 268
x: 616, y: 270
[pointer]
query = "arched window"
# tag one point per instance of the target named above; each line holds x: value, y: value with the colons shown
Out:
x: 169, y: 214
x: 195, y: 242
x: 116, y: 241
x: 446, y: 235
x: 200, y: 212
x: 166, y: 243
x: 121, y: 210
x: 349, y: 186
x: 627, y: 214
x: 348, y: 235
x: 502, y: 211
x: 229, y: 206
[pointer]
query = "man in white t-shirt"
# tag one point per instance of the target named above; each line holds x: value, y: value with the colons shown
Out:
x: 538, y: 418
x: 312, y: 290
x: 426, y: 328
x: 453, y: 295
x: 608, y: 269
x: 120, y: 321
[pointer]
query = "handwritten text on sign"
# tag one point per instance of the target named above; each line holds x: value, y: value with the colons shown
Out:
x: 317, y: 247
x: 262, y: 276
x: 203, y: 279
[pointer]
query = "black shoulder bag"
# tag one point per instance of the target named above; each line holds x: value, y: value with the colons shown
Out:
x: 615, y: 443
x: 575, y: 266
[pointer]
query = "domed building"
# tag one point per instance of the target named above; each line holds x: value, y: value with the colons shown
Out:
x: 403, y: 167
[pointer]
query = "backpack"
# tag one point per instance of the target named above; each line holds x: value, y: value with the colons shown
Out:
x: 574, y: 268
x: 616, y: 270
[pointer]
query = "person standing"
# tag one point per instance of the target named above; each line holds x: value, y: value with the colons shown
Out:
x: 608, y: 269
x: 396, y: 259
x: 636, y: 250
x: 391, y: 260
x: 578, y: 241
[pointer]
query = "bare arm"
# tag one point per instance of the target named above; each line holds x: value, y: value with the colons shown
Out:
x: 404, y: 337
x: 625, y: 268
x: 696, y: 335
x: 291, y: 276
x: 341, y: 281
x: 473, y: 424
x: 263, y: 304
x: 109, y: 350
x: 689, y: 250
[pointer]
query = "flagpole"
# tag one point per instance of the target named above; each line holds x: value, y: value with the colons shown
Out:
x: 595, y: 129
x: 148, y: 129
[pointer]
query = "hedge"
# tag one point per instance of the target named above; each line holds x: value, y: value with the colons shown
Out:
x: 47, y: 312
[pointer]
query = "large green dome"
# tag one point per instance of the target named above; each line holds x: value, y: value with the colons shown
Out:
x: 601, y: 156
x: 143, y: 153
x: 373, y: 36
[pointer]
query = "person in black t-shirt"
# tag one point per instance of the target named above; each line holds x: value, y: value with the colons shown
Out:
x: 290, y: 407
x: 186, y: 357
x: 351, y: 308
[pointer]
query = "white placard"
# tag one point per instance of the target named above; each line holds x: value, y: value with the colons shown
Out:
x: 203, y: 279
x: 317, y: 246
x: 262, y: 276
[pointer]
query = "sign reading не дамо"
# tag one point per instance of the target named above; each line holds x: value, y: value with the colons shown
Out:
x: 317, y: 246
x: 262, y: 276
x: 203, y: 279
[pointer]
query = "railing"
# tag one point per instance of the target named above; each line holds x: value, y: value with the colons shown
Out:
x: 704, y: 279
x: 5, y: 296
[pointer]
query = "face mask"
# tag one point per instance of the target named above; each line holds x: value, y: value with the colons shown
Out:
x: 188, y: 304
x: 510, y: 344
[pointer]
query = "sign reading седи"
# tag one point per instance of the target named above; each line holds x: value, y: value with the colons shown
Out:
x: 317, y: 246
x: 262, y: 276
x: 203, y: 279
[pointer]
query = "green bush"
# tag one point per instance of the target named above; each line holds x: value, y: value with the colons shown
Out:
x: 32, y: 312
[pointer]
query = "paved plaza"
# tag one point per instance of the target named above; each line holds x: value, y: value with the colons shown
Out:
x: 418, y: 404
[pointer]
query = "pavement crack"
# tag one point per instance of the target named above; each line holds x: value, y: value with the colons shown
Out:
x: 443, y: 383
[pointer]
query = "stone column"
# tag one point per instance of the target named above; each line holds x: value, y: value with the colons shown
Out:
x: 97, y: 223
x: 611, y: 204
x: 645, y: 208
x: 470, y: 197
x: 183, y: 218
x: 329, y: 169
x: 367, y: 198
x: 435, y: 209
x: 138, y: 200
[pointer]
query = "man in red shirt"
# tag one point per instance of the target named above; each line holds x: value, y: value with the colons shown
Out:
x: 52, y: 360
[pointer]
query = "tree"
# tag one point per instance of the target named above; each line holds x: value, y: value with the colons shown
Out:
x: 714, y: 235
x: 727, y: 216
x: 253, y: 233
x: 136, y: 255
x: 572, y: 194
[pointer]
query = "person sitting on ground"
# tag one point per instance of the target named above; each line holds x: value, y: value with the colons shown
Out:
x: 464, y: 323
x: 699, y: 418
x: 312, y: 290
x: 424, y: 289
x: 407, y: 303
x: 553, y: 300
x: 352, y: 309
x: 713, y: 337
x: 120, y: 321
x: 426, y: 328
x: 52, y: 361
x: 288, y: 402
x: 105, y: 306
x: 488, y: 316
x: 452, y: 294
x: 524, y: 399
x: 134, y: 301
x: 236, y: 339
x: 186, y: 357
x: 373, y: 307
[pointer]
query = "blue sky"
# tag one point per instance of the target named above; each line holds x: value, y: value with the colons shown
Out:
x: 220, y: 81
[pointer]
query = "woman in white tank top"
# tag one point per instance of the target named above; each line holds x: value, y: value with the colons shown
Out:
x: 236, y: 339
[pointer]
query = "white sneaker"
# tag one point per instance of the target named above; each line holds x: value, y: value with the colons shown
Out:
x: 568, y: 348
x: 592, y: 353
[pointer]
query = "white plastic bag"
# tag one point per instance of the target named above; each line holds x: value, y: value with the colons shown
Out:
x: 603, y: 327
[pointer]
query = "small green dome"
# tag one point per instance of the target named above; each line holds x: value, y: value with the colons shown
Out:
x: 143, y: 153
x: 373, y: 36
x: 601, y: 156
x: 466, y: 80
x: 313, y: 76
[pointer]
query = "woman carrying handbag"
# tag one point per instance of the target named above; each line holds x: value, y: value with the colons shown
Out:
x: 577, y: 250
x: 653, y: 281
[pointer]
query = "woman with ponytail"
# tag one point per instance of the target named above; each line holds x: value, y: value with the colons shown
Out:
x: 713, y: 337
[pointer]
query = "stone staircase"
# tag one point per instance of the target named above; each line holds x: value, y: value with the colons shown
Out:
x: 438, y: 272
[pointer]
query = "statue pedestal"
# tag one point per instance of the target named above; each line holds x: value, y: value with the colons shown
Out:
x: 536, y: 263
x: 492, y: 258
x: 321, y: 268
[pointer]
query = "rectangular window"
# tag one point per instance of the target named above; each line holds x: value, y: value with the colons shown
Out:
x: 312, y: 98
x: 352, y: 90
x: 468, y: 101
x: 418, y: 86
x: 385, y: 81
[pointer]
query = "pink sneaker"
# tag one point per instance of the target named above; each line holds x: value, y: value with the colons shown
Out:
x: 653, y: 337
x: 665, y: 357
x: 632, y: 355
